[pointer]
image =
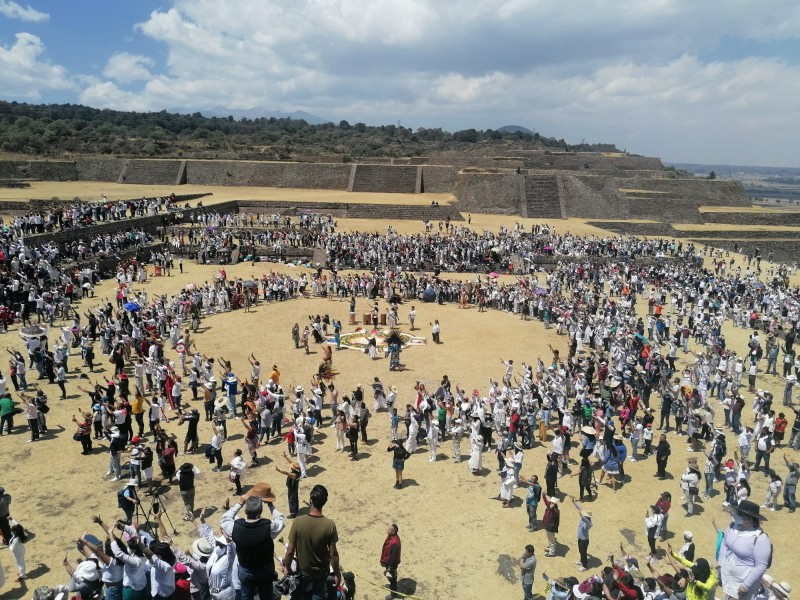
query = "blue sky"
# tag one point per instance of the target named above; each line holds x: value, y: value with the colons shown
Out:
x: 710, y: 82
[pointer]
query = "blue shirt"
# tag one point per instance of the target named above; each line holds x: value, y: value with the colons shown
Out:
x: 584, y: 525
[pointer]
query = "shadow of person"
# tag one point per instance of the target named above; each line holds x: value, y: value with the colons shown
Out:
x: 407, y: 586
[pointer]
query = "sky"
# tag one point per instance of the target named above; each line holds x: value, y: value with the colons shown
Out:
x: 715, y: 81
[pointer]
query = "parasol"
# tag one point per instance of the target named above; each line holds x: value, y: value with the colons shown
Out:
x: 494, y: 275
x: 250, y: 284
x: 32, y: 331
x: 644, y: 339
x: 131, y: 306
x: 191, y: 286
x: 540, y: 291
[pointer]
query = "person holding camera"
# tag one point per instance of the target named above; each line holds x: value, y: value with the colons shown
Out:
x: 127, y: 499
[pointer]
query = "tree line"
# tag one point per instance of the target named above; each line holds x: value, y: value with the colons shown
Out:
x: 58, y: 130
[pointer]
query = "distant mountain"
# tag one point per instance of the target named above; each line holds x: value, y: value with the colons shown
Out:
x: 514, y: 129
x: 252, y: 113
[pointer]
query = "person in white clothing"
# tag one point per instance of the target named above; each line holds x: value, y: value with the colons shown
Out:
x: 238, y: 465
x: 17, y: 548
x: 433, y: 440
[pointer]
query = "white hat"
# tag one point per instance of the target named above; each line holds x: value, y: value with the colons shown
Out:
x: 791, y: 378
x: 87, y: 571
x: 687, y: 535
x: 200, y: 548
x: 299, y: 389
x: 132, y: 481
x: 782, y: 589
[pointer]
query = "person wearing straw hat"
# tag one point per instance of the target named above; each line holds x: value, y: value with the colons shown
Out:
x: 689, y: 482
x: 745, y: 553
x: 782, y: 590
x: 584, y: 525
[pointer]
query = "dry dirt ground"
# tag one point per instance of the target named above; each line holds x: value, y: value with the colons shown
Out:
x: 458, y: 541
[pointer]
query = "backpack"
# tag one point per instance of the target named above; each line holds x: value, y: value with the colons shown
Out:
x: 122, y: 501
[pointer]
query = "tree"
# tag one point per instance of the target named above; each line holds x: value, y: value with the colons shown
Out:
x: 712, y: 175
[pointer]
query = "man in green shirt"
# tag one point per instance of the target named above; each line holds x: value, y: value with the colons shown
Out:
x: 7, y: 411
x: 313, y: 539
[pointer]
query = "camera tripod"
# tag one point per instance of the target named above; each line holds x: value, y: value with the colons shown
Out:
x: 157, y: 507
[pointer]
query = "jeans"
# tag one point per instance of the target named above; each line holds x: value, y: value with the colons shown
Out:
x: 114, y: 592
x: 256, y: 582
x: 789, y: 496
x: 532, y: 515
x: 736, y: 423
x: 709, y: 483
x: 794, y: 439
x: 114, y: 466
x: 762, y: 455
x: 527, y: 591
x: 313, y: 587
x: 583, y: 547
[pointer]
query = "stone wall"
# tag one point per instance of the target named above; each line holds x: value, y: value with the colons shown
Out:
x: 39, y: 170
x: 235, y: 173
x: 438, y: 180
x: 496, y: 193
x: 99, y: 169
x: 753, y: 218
x: 481, y: 162
x: 151, y: 171
x: 317, y: 176
x: 702, y: 191
x: 590, y: 197
x: 324, y: 176
x: 385, y: 179
x: 594, y: 161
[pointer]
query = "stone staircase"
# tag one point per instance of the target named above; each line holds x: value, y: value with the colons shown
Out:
x: 385, y: 179
x: 542, y: 197
x: 152, y: 172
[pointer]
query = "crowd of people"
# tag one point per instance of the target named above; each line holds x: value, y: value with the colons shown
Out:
x: 80, y: 213
x: 593, y: 404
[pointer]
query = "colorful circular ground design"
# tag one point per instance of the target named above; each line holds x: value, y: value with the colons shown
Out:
x: 358, y: 339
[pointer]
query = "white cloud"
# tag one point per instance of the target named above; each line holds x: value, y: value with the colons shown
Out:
x: 603, y: 70
x: 124, y: 67
x: 23, y: 72
x: 12, y: 10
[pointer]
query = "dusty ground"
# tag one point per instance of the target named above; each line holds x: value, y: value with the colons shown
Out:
x: 458, y: 541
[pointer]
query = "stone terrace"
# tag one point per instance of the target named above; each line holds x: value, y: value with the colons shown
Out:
x: 785, y: 218
x: 385, y: 179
